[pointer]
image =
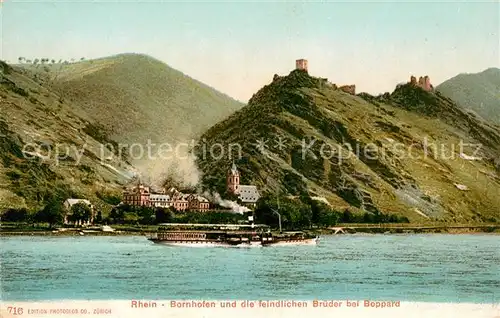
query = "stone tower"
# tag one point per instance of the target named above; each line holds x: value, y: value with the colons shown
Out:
x: 233, y: 180
x: 423, y: 81
x: 427, y: 83
x: 301, y: 65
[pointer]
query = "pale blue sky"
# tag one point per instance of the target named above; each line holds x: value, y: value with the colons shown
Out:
x: 238, y: 47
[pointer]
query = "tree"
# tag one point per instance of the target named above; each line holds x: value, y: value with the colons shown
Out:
x: 294, y: 213
x: 82, y: 59
x: 347, y: 217
x: 264, y: 210
x: 323, y: 214
x: 146, y: 215
x: 328, y: 218
x: 117, y: 215
x: 370, y: 218
x: 15, y: 215
x: 53, y: 61
x: 52, y: 213
x: 163, y: 215
x: 21, y: 59
x: 35, y: 61
x: 98, y: 218
x: 80, y: 212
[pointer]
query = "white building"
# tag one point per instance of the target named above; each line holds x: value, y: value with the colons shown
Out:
x: 160, y: 200
x: 68, y: 204
x: 249, y: 194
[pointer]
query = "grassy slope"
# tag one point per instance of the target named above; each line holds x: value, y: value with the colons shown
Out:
x: 298, y: 106
x: 134, y: 97
x: 138, y: 98
x: 30, y: 113
x: 479, y: 92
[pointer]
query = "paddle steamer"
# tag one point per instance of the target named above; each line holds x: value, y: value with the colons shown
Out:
x: 199, y: 235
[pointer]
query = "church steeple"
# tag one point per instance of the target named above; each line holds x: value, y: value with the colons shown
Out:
x: 233, y: 180
x: 234, y: 169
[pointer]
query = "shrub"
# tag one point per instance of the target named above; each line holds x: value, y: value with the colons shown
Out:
x: 52, y: 213
x: 15, y: 215
x: 80, y: 212
x: 163, y: 215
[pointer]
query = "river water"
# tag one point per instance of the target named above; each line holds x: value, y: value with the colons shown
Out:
x: 417, y: 268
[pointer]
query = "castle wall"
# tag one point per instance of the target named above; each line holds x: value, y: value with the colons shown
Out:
x: 350, y: 89
x: 423, y: 81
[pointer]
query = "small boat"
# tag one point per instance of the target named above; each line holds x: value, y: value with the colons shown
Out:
x: 107, y: 228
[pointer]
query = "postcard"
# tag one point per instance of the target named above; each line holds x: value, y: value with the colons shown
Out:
x: 249, y: 158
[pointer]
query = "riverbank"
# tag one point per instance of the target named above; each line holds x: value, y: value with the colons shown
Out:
x: 13, y: 230
x: 338, y: 230
x: 69, y: 233
x: 411, y: 229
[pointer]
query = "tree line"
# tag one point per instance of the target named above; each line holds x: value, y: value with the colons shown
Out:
x: 53, y: 213
x: 45, y: 60
x: 306, y: 212
x: 296, y: 213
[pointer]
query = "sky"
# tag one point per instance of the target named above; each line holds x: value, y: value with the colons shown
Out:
x: 237, y: 47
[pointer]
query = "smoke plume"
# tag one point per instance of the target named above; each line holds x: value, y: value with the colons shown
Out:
x: 234, y: 206
x: 178, y: 167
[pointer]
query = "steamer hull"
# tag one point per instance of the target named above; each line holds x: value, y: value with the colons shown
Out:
x: 207, y: 244
x: 218, y: 235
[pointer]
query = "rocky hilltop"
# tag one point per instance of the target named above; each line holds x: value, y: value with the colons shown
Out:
x: 412, y: 152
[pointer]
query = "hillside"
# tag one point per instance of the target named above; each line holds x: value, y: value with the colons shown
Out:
x: 137, y: 98
x: 397, y: 153
x: 47, y: 151
x: 478, y: 92
x: 91, y: 109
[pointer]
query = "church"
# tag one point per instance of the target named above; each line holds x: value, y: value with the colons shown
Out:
x: 248, y: 194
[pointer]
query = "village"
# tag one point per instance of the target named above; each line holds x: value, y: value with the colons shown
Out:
x: 142, y: 195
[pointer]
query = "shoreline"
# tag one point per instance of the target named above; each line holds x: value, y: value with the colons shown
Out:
x: 71, y: 232
x: 411, y: 229
x: 493, y: 229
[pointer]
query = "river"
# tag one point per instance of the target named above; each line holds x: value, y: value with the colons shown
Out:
x: 417, y: 268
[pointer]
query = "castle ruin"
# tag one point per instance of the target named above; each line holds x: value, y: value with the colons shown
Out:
x: 423, y: 82
x: 301, y: 65
x: 350, y: 89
